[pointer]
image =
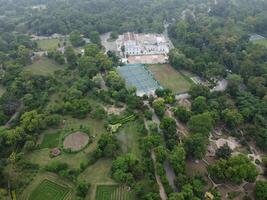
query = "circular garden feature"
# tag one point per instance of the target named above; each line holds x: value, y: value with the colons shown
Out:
x: 76, y: 141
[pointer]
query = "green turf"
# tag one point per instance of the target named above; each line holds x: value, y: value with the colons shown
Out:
x: 170, y: 78
x: 49, y: 190
x: 48, y: 44
x: 42, y: 158
x: 113, y: 192
x: 50, y: 140
x: 43, y: 66
x: 98, y: 172
x: 128, y: 137
x: 261, y: 42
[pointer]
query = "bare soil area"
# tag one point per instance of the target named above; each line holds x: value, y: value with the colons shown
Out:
x: 76, y: 141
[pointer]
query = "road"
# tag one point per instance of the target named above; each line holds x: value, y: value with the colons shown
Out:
x: 109, y: 46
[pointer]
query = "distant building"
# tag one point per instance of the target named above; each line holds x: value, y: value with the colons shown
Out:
x: 143, y: 44
x: 130, y: 44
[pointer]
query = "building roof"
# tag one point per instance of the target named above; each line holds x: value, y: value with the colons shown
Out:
x: 129, y: 36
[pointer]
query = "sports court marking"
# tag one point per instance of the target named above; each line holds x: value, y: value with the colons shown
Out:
x: 138, y: 76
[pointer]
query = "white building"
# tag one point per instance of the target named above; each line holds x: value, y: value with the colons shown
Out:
x: 143, y: 44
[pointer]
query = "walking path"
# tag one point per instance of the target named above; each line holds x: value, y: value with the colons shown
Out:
x: 162, y: 192
x: 167, y: 167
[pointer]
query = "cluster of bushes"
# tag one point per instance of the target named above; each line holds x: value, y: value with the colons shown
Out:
x: 57, y: 56
x: 78, y: 108
x: 62, y: 169
x: 107, y: 146
x: 236, y: 170
x: 116, y: 119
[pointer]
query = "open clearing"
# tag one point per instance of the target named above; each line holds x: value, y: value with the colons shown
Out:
x: 48, y: 44
x: 261, y: 42
x: 113, y: 192
x: 128, y: 137
x: 98, y: 172
x: 43, y: 66
x: 49, y: 190
x: 41, y: 156
x: 50, y: 140
x: 76, y: 141
x: 170, y: 78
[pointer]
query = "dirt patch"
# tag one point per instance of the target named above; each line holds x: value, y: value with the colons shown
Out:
x: 115, y: 110
x: 76, y: 141
x: 185, y: 103
x: 232, y: 142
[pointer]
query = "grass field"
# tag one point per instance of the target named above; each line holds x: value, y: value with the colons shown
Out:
x: 113, y: 192
x: 128, y: 137
x: 261, y: 42
x: 50, y: 140
x: 48, y: 44
x: 98, y: 172
x: 170, y: 78
x: 49, y: 190
x: 42, y: 158
x: 44, y: 66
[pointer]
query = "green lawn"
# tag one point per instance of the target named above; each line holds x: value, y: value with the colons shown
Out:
x: 50, y: 140
x: 113, y: 192
x: 48, y: 44
x: 98, y: 172
x: 170, y: 78
x: 261, y: 42
x: 128, y: 137
x: 42, y: 158
x: 49, y: 190
x: 44, y: 66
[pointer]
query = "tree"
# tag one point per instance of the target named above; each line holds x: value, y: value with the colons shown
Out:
x: 82, y: 188
x: 23, y: 55
x: 201, y: 123
x: 261, y: 190
x: 182, y: 114
x: 32, y: 121
x: 76, y: 39
x: 234, y: 83
x: 179, y: 60
x: 98, y: 113
x: 95, y: 37
x: 232, y: 118
x: 168, y: 127
x: 91, y: 50
x: 195, y: 146
x: 103, y: 62
x: 199, y: 105
x: 224, y: 152
x: 114, y: 35
x: 71, y: 56
x: 236, y: 170
x: 199, y: 90
x: 159, y: 107
x: 108, y: 145
x: 126, y: 168
x: 115, y: 81
x: 177, y: 159
x: 87, y: 66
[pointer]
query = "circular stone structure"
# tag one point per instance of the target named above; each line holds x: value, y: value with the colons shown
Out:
x: 76, y: 141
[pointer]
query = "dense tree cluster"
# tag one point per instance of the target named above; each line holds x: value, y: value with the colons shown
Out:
x: 236, y: 170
